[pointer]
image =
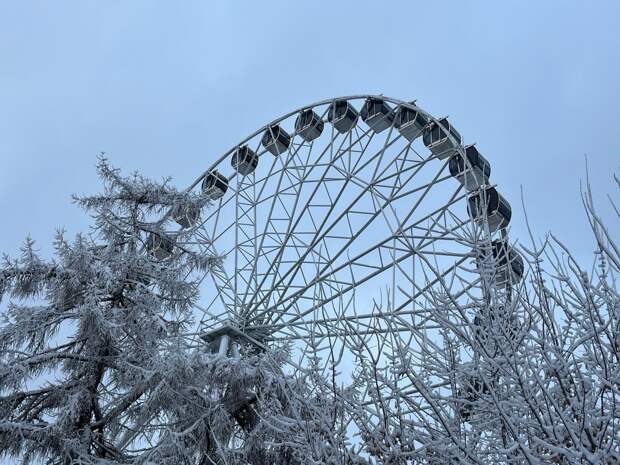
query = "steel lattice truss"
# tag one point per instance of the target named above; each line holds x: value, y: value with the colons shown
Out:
x: 348, y: 236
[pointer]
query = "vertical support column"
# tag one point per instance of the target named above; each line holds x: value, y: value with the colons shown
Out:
x: 224, y: 344
x: 246, y: 252
x: 234, y: 348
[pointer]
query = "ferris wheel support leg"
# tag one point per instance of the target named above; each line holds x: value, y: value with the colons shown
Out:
x: 224, y: 343
x: 234, y: 349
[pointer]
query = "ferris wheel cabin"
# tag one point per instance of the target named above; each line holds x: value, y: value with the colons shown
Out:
x: 215, y: 185
x: 508, y: 263
x: 186, y: 216
x: 244, y: 160
x: 377, y: 114
x: 471, y: 387
x: 487, y: 204
x: 492, y: 321
x: 308, y: 125
x: 160, y: 245
x: 438, y: 137
x: 276, y: 140
x: 472, y: 170
x: 342, y: 116
x: 410, y: 123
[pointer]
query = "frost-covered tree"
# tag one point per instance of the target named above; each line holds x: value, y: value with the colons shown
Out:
x: 90, y: 343
x: 96, y: 365
x: 531, y: 376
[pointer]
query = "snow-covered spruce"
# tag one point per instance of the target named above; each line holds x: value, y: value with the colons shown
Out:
x: 94, y: 365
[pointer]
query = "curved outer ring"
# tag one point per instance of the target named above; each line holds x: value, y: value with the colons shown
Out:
x: 457, y: 144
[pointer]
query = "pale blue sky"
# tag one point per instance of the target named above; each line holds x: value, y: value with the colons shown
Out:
x: 165, y: 87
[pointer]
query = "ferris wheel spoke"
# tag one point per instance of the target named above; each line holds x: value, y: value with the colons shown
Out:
x: 332, y: 201
x: 333, y: 325
x: 292, y: 224
x: 367, y: 259
x: 218, y: 274
x: 320, y: 238
x: 371, y: 217
x: 249, y: 253
x: 298, y: 316
x: 227, y: 285
x: 382, y: 244
x: 294, y: 188
x: 220, y: 228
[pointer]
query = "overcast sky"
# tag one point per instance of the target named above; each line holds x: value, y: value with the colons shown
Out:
x: 166, y: 87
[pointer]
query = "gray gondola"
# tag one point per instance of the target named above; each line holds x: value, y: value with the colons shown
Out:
x: 186, y: 215
x: 437, y: 138
x: 470, y: 389
x: 377, y: 114
x: 488, y: 205
x: 508, y: 267
x: 309, y: 125
x: 492, y: 324
x: 244, y: 160
x: 276, y: 140
x: 160, y: 245
x: 342, y: 116
x: 471, y: 170
x: 410, y: 123
x: 215, y: 185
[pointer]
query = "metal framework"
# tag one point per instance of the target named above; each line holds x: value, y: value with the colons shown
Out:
x: 343, y: 237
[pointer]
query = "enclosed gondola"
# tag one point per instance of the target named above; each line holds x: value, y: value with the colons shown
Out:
x: 276, y: 140
x: 342, y: 115
x: 471, y: 388
x: 441, y: 138
x: 244, y: 160
x: 505, y: 263
x: 215, y: 185
x: 377, y: 114
x: 160, y: 245
x: 471, y: 170
x: 410, y: 123
x: 493, y: 324
x: 186, y: 215
x: 309, y: 125
x: 488, y: 205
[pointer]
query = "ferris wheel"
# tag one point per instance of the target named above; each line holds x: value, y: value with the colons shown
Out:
x: 344, y: 221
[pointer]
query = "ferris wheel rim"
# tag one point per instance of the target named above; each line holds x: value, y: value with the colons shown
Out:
x: 409, y: 105
x: 457, y: 145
